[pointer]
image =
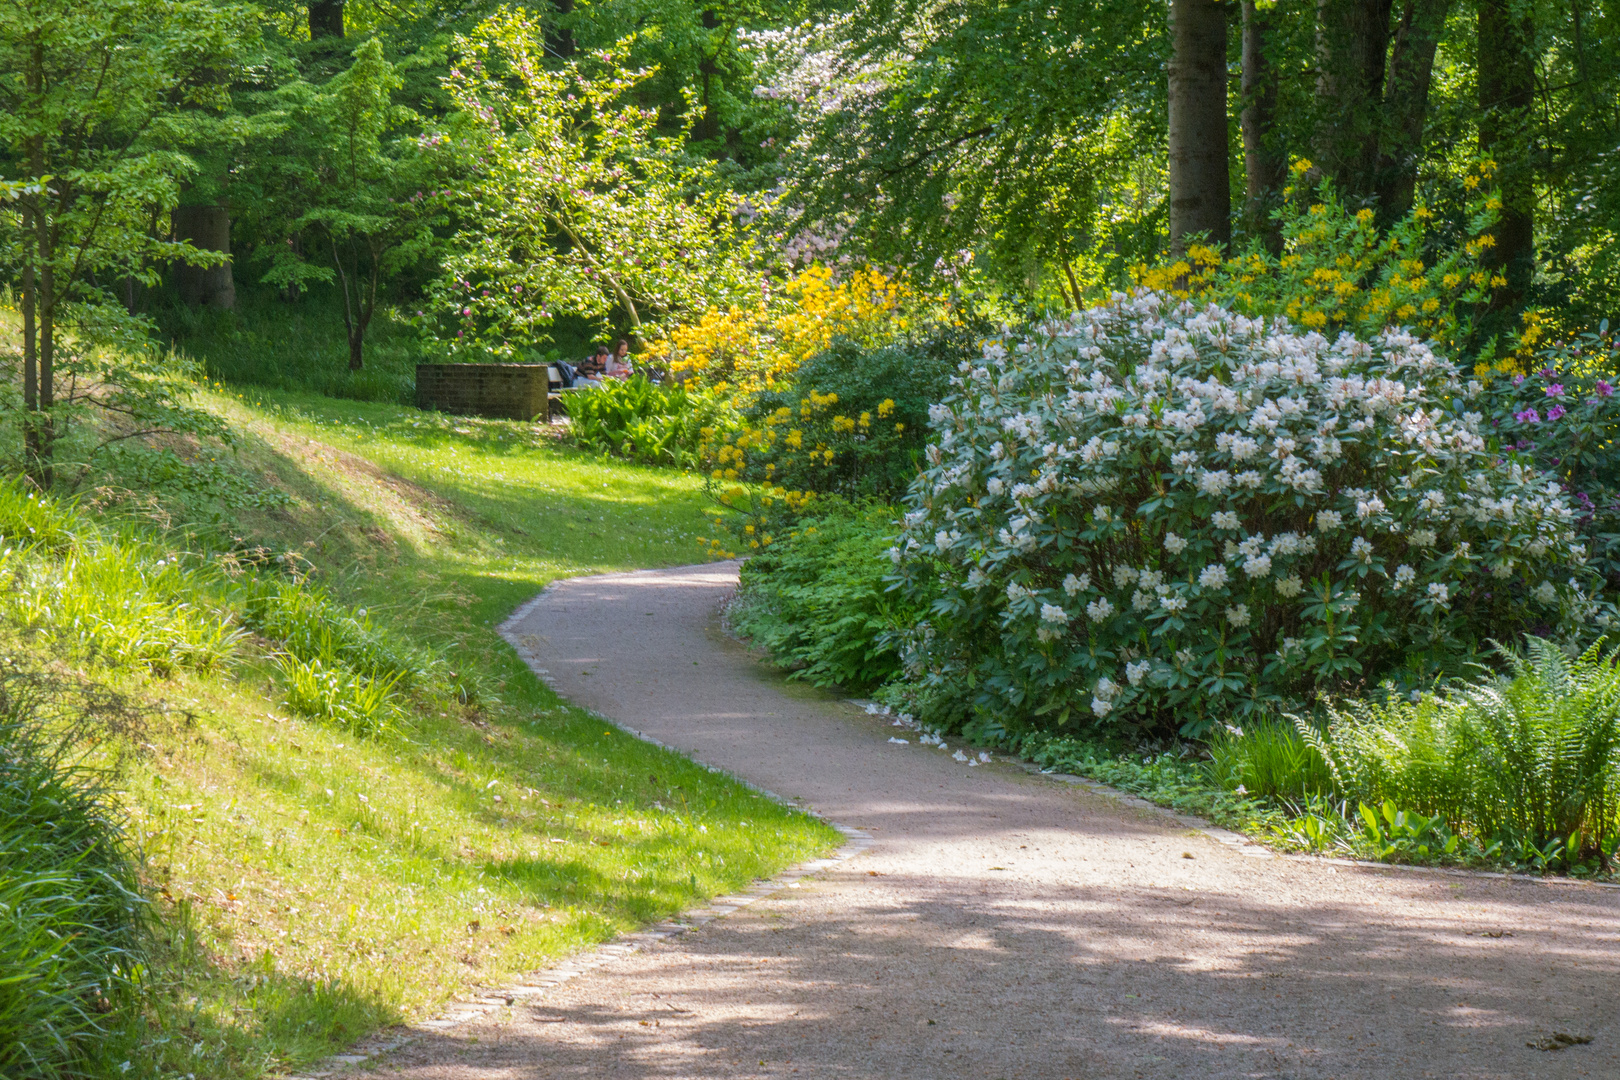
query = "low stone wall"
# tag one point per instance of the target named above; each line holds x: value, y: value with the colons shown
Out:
x: 500, y: 391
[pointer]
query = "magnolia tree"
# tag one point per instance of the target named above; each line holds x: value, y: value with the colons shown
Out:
x: 573, y: 203
x: 1157, y: 514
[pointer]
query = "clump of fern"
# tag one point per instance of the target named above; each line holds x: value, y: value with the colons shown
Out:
x: 1531, y: 755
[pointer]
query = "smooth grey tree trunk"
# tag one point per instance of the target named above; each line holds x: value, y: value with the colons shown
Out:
x: 1200, y: 182
x: 208, y: 228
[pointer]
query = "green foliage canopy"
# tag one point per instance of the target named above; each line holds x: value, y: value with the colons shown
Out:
x: 570, y: 201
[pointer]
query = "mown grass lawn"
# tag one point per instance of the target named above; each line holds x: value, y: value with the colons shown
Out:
x: 317, y: 885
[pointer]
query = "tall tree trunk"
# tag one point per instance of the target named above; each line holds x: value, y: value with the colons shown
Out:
x: 1406, y: 103
x: 325, y: 19
x: 708, y: 125
x: 1200, y: 185
x: 560, y: 39
x: 1265, y: 161
x: 1506, y: 97
x: 208, y: 228
x: 30, y: 339
x: 1352, y: 40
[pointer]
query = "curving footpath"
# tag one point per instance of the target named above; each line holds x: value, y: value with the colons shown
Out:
x: 1004, y: 926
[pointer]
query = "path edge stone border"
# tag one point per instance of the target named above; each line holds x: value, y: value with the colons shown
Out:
x: 482, y: 1003
x: 1247, y: 845
x: 1254, y: 849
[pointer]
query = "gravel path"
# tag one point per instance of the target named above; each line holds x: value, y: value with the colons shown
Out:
x: 1004, y: 926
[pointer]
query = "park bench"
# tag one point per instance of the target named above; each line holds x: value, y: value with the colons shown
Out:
x: 556, y: 391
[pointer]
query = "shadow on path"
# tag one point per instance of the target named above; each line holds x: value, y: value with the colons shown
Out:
x: 1004, y: 926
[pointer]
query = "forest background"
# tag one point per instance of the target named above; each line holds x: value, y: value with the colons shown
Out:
x: 474, y: 181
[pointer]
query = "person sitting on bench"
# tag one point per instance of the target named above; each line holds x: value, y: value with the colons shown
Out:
x: 592, y: 368
x: 618, y: 365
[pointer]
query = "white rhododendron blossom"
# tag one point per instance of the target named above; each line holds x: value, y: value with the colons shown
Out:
x: 1245, y: 513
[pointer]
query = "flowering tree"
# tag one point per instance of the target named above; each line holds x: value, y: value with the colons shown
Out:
x: 1155, y: 512
x: 572, y: 203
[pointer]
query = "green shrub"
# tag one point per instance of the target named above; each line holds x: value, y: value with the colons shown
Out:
x: 73, y: 940
x: 645, y: 422
x: 818, y: 601
x: 886, y: 391
x: 1530, y: 757
x: 1564, y: 418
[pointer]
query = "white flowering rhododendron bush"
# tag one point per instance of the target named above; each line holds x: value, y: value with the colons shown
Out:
x: 1157, y: 515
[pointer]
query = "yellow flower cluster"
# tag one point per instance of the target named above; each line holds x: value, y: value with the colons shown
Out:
x: 1340, y: 270
x: 812, y: 445
x: 759, y: 507
x: 868, y: 306
x: 755, y: 348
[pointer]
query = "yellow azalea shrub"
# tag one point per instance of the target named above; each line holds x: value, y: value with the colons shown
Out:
x: 1339, y: 271
x: 759, y: 347
x: 768, y: 472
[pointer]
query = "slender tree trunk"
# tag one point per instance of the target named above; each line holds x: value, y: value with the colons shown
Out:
x: 39, y: 303
x: 325, y: 19
x: 351, y: 317
x: 560, y: 39
x: 209, y: 229
x: 1265, y: 162
x: 708, y: 126
x: 290, y: 292
x: 1200, y: 185
x: 1068, y: 271
x: 1352, y: 40
x: 1506, y: 98
x: 42, y: 442
x: 1406, y: 103
x: 30, y: 326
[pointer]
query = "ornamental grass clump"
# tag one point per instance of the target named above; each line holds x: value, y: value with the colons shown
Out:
x: 1155, y: 515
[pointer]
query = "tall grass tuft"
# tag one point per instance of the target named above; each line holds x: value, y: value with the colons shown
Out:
x: 365, y: 704
x: 1268, y: 760
x: 1532, y: 755
x: 28, y: 520
x: 73, y: 940
x: 313, y: 628
x: 123, y: 605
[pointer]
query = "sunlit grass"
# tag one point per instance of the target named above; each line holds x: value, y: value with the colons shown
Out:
x: 319, y: 884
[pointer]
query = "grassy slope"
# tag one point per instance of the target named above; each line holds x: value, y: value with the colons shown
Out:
x: 319, y: 885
